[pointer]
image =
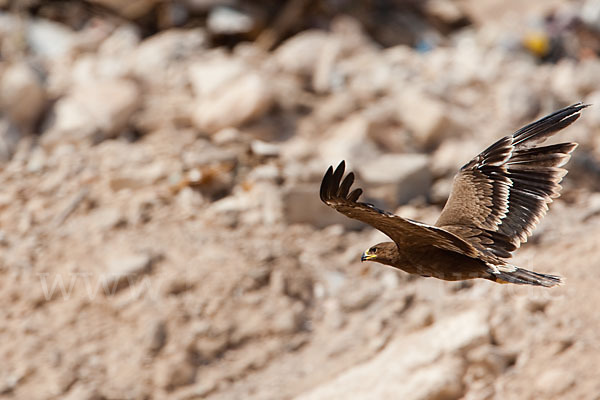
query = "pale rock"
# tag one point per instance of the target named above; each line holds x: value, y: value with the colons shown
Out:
x: 189, y: 201
x: 111, y: 61
x: 384, y: 128
x: 37, y: 160
x: 347, y: 140
x: 302, y: 205
x: 365, y: 78
x: 277, y: 315
x: 425, y: 117
x: 260, y: 204
x: 399, y: 178
x: 227, y: 136
x: 121, y: 41
x: 209, y: 345
x: 441, y: 381
x: 335, y: 108
x: 210, y: 76
x: 93, y: 112
x: 50, y: 39
x: 124, y: 270
x: 106, y: 218
x: 422, y: 365
x: 356, y: 300
x: 266, y: 172
x: 590, y: 13
x: 22, y: 96
x: 300, y: 54
x: 224, y: 20
x: 264, y: 149
x: 157, y: 61
x: 447, y: 11
x: 326, y: 76
x: 228, y: 94
x: 554, y: 382
x: 453, y: 154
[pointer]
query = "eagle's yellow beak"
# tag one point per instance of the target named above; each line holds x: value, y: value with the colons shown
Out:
x: 367, y: 256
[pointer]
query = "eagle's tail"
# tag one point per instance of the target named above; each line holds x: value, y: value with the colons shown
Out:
x: 522, y: 276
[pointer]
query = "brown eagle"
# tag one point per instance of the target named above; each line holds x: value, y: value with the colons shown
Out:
x: 497, y: 199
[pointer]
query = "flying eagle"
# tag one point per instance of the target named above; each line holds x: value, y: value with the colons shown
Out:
x: 497, y: 199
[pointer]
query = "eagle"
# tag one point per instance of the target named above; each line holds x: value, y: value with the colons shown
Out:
x: 497, y: 199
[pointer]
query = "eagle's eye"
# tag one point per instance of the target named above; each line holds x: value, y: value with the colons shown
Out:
x: 373, y: 250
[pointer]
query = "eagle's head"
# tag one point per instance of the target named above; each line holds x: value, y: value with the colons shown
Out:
x: 384, y: 253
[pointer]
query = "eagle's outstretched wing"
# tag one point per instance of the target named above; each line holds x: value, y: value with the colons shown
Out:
x: 500, y: 195
x: 336, y: 194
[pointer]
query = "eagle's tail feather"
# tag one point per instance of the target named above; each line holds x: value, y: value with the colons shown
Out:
x: 522, y: 276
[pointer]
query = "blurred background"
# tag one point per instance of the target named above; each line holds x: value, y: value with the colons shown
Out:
x: 161, y: 234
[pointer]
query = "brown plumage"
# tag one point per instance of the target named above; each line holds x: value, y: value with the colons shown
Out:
x: 497, y: 199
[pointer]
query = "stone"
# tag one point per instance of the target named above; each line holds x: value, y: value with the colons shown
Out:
x: 93, y: 112
x: 554, y: 382
x: 50, y: 39
x: 422, y: 365
x: 112, y: 60
x: 347, y: 140
x: 278, y: 315
x: 300, y: 54
x: 335, y: 107
x: 264, y: 149
x: 223, y: 20
x: 301, y: 205
x: 22, y: 96
x: 228, y: 95
x: 157, y: 60
x: 209, y: 346
x: 446, y: 11
x: 213, y: 74
x: 397, y: 178
x: 425, y: 117
x: 453, y: 154
x: 441, y: 381
x: 124, y: 270
x: 356, y: 300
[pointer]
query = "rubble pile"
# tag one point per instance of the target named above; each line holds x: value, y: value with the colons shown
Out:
x: 161, y: 230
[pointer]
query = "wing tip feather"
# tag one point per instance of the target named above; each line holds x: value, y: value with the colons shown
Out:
x: 332, y: 185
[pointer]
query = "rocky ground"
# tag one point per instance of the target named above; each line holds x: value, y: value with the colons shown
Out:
x: 161, y: 231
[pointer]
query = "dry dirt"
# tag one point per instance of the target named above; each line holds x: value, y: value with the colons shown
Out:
x: 162, y: 237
